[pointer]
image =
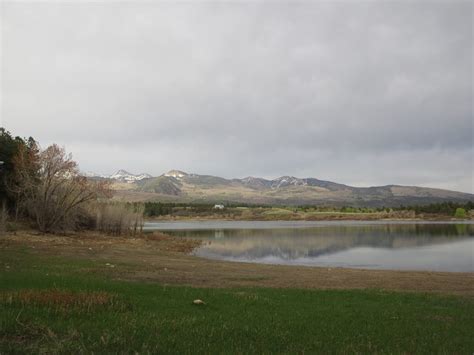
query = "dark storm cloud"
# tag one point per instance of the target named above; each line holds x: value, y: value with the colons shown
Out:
x: 357, y: 92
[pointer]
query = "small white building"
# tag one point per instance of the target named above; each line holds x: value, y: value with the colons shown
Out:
x: 218, y: 207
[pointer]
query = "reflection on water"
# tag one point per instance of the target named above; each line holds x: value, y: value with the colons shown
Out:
x: 408, y: 246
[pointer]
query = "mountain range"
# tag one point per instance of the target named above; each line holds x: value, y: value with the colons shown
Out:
x: 179, y: 186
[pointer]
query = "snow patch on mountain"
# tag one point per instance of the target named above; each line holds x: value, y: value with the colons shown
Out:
x: 287, y: 181
x: 121, y: 175
x: 177, y: 174
x: 92, y: 174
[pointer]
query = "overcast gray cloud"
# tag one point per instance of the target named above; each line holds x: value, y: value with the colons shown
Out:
x: 362, y: 93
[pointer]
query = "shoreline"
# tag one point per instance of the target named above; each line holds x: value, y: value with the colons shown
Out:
x: 388, y: 220
x: 312, y: 219
x: 160, y: 258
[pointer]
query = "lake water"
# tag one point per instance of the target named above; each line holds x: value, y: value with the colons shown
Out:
x: 435, y: 246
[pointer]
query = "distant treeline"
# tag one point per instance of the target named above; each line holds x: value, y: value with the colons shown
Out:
x: 155, y: 209
x: 446, y: 208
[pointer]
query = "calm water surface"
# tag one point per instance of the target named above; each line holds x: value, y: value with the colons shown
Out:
x: 436, y: 246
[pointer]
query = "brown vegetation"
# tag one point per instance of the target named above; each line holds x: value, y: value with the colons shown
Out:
x: 45, y: 188
x: 62, y: 300
x: 118, y: 218
x: 54, y: 297
x: 55, y: 195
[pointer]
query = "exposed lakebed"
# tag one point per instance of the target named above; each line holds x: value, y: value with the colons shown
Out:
x: 434, y: 246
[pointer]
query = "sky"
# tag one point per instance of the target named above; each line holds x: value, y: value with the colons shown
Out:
x: 362, y: 93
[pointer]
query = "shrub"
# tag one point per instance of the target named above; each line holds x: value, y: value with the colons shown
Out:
x: 119, y: 218
x: 460, y: 213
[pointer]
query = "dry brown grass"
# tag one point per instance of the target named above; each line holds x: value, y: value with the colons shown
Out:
x: 62, y: 300
x: 118, y: 219
x: 180, y: 245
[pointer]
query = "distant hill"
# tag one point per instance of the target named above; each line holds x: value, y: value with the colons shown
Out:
x: 161, y: 185
x: 179, y: 186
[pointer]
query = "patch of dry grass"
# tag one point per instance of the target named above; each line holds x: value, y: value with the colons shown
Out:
x: 168, y: 243
x: 62, y: 300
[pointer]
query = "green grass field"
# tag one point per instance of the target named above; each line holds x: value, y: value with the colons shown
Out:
x: 49, y: 304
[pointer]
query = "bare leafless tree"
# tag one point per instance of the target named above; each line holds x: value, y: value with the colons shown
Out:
x: 55, y: 195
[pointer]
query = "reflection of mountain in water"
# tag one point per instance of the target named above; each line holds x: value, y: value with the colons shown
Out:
x: 298, y: 243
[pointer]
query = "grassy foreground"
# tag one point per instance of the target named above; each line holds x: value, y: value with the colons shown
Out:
x: 51, y: 304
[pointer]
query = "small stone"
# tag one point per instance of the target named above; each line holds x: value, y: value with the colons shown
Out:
x: 199, y: 302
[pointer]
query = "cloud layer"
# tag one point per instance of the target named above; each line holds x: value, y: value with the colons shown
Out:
x: 360, y: 93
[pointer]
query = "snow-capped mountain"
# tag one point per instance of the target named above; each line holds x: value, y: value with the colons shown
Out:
x: 124, y: 175
x: 277, y: 183
x: 121, y: 175
x: 255, y: 182
x: 92, y: 174
x: 287, y: 181
x: 177, y: 174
